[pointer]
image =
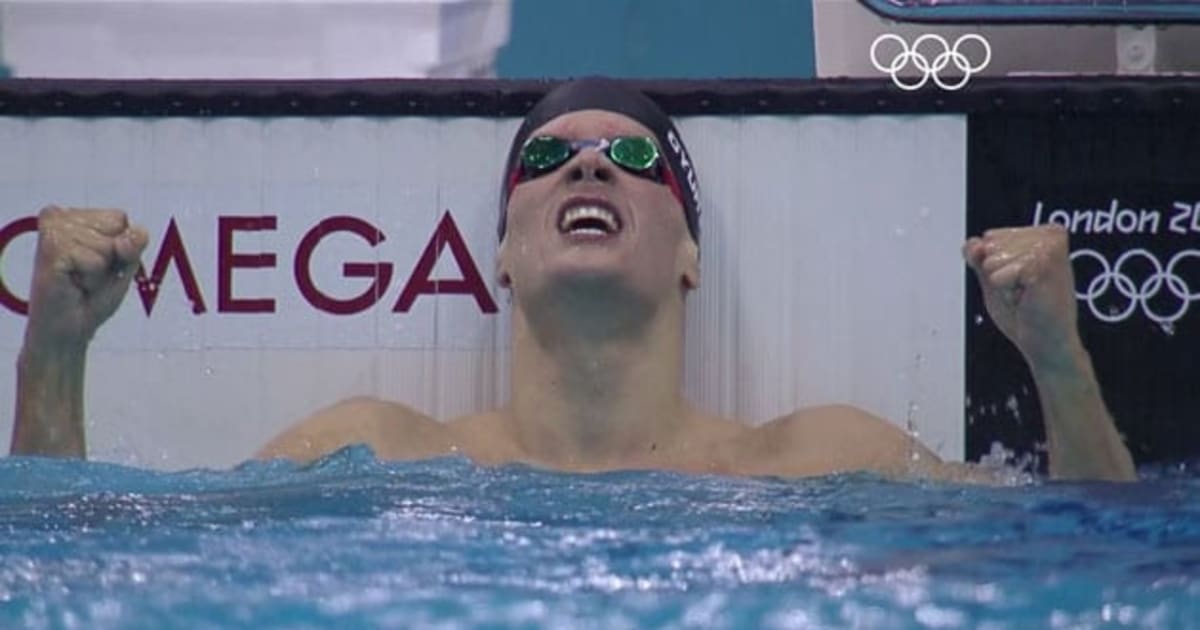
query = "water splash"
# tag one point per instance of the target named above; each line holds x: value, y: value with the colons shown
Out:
x: 1013, y: 407
x: 433, y: 544
x: 354, y: 542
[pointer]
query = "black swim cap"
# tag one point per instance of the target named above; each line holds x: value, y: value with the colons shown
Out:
x: 617, y: 97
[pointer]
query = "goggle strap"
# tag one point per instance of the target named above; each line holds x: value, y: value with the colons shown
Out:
x: 514, y: 178
x: 668, y: 177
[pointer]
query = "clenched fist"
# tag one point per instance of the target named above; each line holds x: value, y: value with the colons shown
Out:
x: 1029, y: 289
x: 84, y: 263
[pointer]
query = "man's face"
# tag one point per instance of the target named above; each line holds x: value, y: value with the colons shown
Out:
x: 591, y: 219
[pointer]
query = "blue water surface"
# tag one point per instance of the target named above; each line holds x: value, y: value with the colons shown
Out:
x: 354, y: 542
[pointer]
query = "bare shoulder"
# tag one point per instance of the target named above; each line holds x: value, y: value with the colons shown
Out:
x: 392, y: 430
x: 835, y: 438
x: 832, y: 421
x: 486, y: 437
x: 843, y: 438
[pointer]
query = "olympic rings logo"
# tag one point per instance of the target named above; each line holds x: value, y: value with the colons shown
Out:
x: 1129, y: 294
x: 930, y: 70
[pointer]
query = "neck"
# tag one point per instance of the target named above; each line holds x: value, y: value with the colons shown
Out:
x: 596, y: 376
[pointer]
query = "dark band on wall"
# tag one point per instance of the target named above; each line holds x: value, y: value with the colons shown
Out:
x: 504, y: 98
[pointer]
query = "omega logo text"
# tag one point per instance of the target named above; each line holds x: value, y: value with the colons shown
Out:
x: 172, y: 252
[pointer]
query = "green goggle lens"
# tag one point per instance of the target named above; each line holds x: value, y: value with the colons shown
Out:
x: 634, y: 153
x: 545, y: 153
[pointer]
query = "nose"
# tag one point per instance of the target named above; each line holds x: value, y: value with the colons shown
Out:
x: 590, y: 166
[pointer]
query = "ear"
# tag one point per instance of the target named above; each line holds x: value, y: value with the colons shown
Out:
x: 689, y: 264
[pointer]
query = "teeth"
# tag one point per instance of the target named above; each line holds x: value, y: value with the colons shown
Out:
x: 588, y: 212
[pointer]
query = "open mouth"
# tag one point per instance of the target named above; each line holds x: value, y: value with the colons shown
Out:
x: 589, y: 220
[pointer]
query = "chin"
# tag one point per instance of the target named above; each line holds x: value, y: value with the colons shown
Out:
x: 589, y: 275
x: 592, y: 277
x: 589, y: 259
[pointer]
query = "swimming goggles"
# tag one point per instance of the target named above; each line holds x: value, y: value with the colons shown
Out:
x: 637, y: 154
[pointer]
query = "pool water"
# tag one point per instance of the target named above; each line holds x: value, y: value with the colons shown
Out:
x: 354, y: 542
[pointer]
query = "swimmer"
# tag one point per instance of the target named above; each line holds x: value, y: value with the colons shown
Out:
x: 599, y: 229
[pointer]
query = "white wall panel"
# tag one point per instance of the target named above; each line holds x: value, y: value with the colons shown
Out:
x: 830, y: 269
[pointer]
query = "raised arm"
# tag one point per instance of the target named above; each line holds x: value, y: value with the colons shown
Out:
x: 1029, y: 289
x: 84, y: 263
